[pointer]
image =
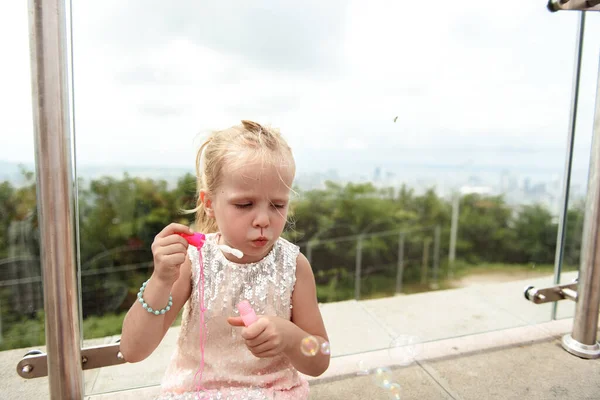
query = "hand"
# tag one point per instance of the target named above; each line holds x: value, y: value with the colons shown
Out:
x: 265, y: 337
x: 169, y: 251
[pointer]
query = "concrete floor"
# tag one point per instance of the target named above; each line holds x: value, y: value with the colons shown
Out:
x: 480, y: 342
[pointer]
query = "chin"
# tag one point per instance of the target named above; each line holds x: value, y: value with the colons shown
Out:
x: 259, y: 251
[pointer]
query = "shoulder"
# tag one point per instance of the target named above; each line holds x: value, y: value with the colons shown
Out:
x: 287, y: 244
x: 295, y: 249
x: 303, y: 268
x: 300, y: 264
x: 288, y: 250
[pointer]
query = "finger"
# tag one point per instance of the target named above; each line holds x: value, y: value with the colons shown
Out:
x: 262, y: 348
x: 255, y: 329
x: 174, y: 260
x: 258, y: 341
x: 175, y: 228
x: 176, y: 248
x: 235, y: 321
x: 266, y: 354
x: 168, y: 240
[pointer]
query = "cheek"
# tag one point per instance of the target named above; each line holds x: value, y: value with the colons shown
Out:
x: 231, y: 211
x: 280, y: 215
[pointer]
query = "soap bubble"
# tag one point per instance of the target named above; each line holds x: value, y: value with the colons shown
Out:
x: 309, y: 346
x: 382, y: 377
x: 394, y: 391
x: 362, y: 368
x: 404, y: 349
x: 325, y: 348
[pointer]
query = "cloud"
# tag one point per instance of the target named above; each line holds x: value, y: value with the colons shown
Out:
x: 160, y: 110
x: 354, y: 144
x: 16, y: 127
x: 270, y: 34
x: 151, y: 76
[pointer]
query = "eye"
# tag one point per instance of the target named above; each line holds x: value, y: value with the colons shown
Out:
x: 278, y: 205
x: 244, y: 205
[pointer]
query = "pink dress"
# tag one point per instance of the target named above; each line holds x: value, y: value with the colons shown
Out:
x: 231, y: 371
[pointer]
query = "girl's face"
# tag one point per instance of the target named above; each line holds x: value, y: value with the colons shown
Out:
x: 250, y: 207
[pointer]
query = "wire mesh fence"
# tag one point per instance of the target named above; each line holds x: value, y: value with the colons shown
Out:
x: 351, y: 267
x: 374, y: 264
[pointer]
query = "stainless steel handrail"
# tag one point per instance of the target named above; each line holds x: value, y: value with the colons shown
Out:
x: 582, y: 341
x: 55, y: 199
x: 574, y: 5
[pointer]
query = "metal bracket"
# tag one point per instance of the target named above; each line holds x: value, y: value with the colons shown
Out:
x: 551, y: 294
x: 35, y: 363
x: 576, y: 5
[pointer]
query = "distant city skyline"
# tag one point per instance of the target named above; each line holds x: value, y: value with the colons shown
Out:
x: 517, y: 186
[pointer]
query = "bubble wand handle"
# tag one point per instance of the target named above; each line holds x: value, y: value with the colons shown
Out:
x: 247, y: 313
x: 197, y: 240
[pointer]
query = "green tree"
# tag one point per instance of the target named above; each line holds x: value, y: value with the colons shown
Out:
x: 484, y: 233
x: 536, y: 234
x: 119, y: 218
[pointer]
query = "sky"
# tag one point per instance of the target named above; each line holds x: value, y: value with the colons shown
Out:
x: 471, y: 83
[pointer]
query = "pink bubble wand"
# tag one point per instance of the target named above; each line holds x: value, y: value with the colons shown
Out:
x: 247, y: 313
x: 197, y: 240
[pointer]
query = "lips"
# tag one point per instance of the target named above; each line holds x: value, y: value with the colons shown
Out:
x: 261, y: 241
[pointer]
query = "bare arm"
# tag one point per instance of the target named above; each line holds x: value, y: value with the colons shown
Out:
x: 142, y: 331
x: 307, y: 320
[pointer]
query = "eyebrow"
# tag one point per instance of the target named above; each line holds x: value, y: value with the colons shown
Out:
x: 279, y: 200
x: 248, y: 196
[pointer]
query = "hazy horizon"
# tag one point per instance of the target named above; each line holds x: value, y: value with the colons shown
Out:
x: 352, y: 86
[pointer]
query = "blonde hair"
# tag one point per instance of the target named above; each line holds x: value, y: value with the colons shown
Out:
x: 223, y: 148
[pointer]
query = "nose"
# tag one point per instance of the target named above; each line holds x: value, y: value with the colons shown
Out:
x: 261, y: 219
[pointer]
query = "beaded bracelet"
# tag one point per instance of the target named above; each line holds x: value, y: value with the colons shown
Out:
x: 147, y: 307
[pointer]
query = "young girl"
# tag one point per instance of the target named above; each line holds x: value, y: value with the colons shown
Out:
x: 244, y: 176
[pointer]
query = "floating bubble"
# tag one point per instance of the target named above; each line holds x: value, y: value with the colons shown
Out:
x: 325, y: 348
x: 394, y: 391
x: 309, y: 346
x: 404, y: 349
x: 382, y: 377
x: 362, y: 368
x: 159, y: 75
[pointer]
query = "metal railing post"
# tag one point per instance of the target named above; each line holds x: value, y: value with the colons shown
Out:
x: 400, y: 265
x: 436, y: 253
x: 55, y: 194
x: 425, y: 261
x: 453, y: 234
x: 582, y: 341
x: 358, y: 267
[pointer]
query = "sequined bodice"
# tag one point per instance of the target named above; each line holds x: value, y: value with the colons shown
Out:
x: 229, y: 367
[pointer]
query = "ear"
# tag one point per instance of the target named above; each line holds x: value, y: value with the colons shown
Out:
x: 207, y: 203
